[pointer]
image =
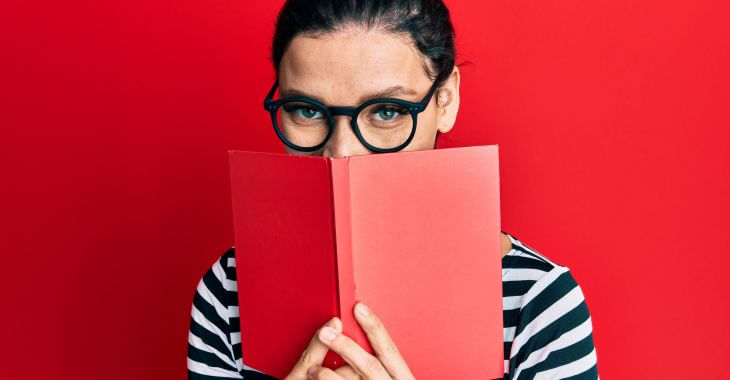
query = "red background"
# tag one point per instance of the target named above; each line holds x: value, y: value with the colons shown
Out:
x: 612, y: 120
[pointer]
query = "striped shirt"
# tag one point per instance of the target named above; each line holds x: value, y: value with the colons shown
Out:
x: 547, y: 327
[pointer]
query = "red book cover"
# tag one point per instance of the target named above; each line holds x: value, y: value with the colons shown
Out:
x: 415, y: 235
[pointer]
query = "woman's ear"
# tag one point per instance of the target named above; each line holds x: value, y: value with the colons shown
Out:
x: 447, y: 101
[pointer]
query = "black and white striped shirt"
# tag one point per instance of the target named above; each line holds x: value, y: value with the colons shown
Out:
x: 547, y: 327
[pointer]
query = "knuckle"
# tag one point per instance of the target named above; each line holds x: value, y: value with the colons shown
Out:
x: 305, y: 357
x: 372, y: 366
x: 391, y: 349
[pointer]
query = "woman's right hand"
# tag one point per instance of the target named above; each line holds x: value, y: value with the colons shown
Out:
x: 314, y: 354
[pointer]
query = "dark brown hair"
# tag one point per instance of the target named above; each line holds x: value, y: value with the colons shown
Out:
x: 426, y: 23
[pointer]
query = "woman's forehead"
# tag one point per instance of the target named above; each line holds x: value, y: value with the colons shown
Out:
x: 343, y: 66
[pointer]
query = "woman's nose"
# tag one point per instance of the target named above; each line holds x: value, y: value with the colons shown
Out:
x: 343, y: 142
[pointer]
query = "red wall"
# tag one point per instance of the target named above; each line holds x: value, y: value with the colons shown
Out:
x: 612, y: 120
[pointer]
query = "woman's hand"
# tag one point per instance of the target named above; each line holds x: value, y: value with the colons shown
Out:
x: 314, y: 353
x: 387, y: 364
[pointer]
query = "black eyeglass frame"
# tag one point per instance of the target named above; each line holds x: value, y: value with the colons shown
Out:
x: 413, y: 107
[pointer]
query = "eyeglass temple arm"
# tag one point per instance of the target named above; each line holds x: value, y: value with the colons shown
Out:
x: 270, y: 95
x: 428, y: 96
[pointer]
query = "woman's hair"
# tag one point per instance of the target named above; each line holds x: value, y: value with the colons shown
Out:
x: 426, y: 23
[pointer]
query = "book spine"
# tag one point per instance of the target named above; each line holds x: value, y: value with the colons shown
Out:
x: 343, y: 243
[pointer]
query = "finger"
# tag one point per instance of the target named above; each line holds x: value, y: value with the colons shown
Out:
x: 322, y: 373
x: 366, y: 365
x: 314, y: 353
x: 384, y: 347
x: 348, y: 373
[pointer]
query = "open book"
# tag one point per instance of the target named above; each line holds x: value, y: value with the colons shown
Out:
x: 415, y: 235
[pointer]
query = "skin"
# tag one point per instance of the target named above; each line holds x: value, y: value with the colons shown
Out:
x: 346, y: 68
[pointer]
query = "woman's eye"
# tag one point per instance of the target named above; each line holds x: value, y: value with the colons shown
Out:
x: 304, y: 112
x: 388, y: 113
x: 309, y: 113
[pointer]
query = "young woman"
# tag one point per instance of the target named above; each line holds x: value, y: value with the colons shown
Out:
x: 340, y: 55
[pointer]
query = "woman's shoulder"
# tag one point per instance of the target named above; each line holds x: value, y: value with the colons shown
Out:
x: 224, y: 267
x: 228, y: 261
x: 520, y: 248
x: 544, y: 309
x: 522, y: 262
x: 528, y: 275
x: 214, y: 336
x: 218, y: 285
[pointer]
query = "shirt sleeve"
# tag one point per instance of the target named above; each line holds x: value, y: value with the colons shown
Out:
x: 214, y: 339
x: 553, y: 336
x: 210, y: 347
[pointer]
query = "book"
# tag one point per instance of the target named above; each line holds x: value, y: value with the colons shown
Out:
x: 415, y: 235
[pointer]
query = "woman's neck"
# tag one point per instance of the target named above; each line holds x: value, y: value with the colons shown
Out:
x: 506, y: 244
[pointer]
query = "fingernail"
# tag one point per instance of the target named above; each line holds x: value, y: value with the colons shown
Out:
x: 335, y: 324
x: 327, y: 334
x: 331, y: 323
x: 312, y: 371
x: 363, y: 310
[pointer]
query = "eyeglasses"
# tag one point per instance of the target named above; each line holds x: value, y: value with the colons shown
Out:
x: 382, y: 125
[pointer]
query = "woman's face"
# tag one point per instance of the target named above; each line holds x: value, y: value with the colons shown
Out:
x: 346, y: 68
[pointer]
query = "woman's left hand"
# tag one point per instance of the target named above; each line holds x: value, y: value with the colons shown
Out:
x: 387, y: 364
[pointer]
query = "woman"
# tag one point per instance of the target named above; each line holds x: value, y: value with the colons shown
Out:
x: 347, y: 53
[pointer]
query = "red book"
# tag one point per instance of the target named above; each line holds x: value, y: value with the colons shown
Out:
x: 415, y: 235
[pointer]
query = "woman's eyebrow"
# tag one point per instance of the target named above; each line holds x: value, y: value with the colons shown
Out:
x: 291, y: 92
x: 390, y: 92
